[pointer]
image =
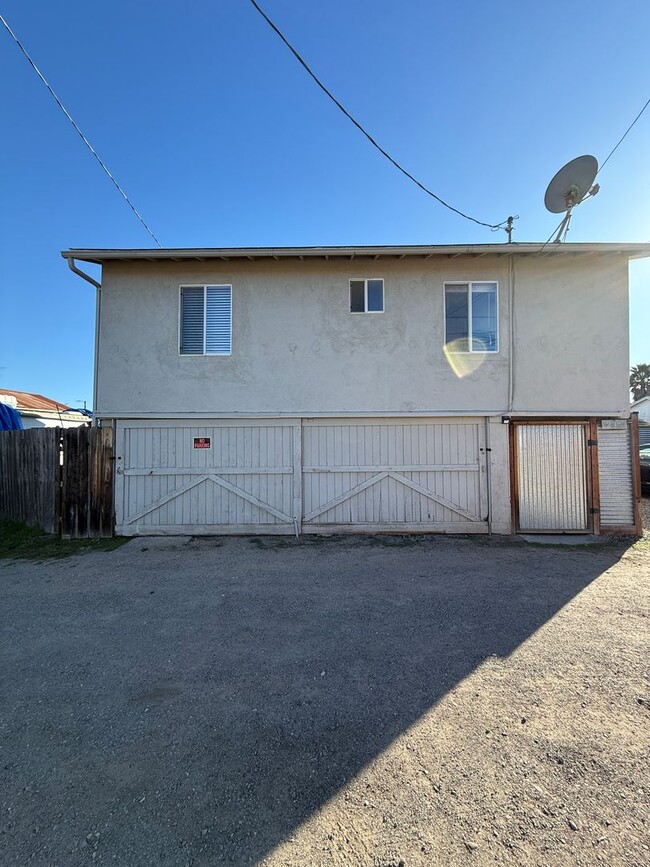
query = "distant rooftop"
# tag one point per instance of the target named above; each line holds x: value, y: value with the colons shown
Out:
x: 25, y: 400
x: 423, y: 251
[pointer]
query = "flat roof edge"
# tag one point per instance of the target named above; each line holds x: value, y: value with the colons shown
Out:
x: 98, y: 256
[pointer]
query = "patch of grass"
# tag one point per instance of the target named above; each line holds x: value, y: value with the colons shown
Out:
x: 17, y: 540
x: 642, y: 544
x: 279, y: 542
x: 315, y: 540
x: 318, y: 540
x: 274, y: 543
x: 390, y: 540
x: 204, y: 541
x: 393, y: 541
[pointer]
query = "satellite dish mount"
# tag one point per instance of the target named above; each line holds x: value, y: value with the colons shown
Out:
x: 571, y: 185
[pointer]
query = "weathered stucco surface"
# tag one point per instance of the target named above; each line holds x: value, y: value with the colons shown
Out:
x: 297, y: 349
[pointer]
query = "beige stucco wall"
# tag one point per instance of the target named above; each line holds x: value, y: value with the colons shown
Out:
x: 297, y: 349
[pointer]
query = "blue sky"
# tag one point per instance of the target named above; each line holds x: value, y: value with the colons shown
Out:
x: 220, y: 139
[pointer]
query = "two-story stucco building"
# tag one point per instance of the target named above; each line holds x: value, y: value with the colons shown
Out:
x: 479, y: 388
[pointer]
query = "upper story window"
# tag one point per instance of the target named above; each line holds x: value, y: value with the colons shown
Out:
x: 472, y: 316
x: 367, y: 296
x: 206, y: 320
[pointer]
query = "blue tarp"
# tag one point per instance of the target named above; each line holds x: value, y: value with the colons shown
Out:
x: 10, y: 418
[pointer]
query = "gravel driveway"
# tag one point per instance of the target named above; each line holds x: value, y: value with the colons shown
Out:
x: 349, y: 701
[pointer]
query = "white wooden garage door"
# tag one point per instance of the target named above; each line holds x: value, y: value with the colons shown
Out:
x: 208, y: 477
x: 286, y: 476
x: 408, y: 474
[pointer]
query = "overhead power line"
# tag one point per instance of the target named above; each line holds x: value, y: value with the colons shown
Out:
x: 620, y: 141
x: 372, y: 141
x: 75, y: 125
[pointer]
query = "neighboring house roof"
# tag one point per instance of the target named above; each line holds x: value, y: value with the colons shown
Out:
x: 641, y: 400
x: 630, y: 251
x: 37, y: 406
x: 26, y: 400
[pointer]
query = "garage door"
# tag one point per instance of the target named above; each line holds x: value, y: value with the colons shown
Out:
x: 406, y: 475
x: 281, y: 476
x: 206, y: 477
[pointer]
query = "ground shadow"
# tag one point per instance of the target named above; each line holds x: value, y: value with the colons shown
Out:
x: 193, y: 704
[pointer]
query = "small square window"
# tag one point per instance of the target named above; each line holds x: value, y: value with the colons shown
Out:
x: 367, y: 296
x: 206, y: 320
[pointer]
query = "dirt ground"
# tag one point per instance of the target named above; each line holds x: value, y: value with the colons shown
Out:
x: 357, y: 702
x: 645, y: 512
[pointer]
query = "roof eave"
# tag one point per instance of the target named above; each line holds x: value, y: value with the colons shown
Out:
x: 99, y: 256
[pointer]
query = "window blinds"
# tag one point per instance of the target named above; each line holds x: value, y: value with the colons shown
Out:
x: 206, y: 320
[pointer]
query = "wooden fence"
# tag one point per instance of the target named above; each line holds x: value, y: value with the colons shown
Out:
x: 58, y: 479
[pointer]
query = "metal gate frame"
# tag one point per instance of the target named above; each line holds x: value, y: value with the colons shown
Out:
x: 591, y: 472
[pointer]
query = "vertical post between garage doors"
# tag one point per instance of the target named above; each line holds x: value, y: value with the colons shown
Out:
x: 297, y: 477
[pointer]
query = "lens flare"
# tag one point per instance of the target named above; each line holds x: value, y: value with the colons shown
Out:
x: 460, y: 359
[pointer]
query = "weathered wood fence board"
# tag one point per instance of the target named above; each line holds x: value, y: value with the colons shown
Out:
x: 87, y: 482
x: 29, y: 477
x: 60, y: 480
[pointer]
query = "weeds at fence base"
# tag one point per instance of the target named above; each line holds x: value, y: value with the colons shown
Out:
x: 17, y: 540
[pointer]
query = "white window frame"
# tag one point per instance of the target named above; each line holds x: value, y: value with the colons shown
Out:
x: 365, y: 281
x: 469, y: 284
x: 204, y: 286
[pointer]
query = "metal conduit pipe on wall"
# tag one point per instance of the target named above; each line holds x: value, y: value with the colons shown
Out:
x: 98, y: 306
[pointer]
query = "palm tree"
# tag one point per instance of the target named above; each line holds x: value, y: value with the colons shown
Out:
x: 640, y: 380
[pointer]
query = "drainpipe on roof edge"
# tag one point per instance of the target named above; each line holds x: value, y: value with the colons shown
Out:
x: 86, y: 277
x: 98, y: 308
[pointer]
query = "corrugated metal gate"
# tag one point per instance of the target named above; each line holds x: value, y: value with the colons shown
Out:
x: 283, y: 476
x: 616, y: 478
x: 551, y: 477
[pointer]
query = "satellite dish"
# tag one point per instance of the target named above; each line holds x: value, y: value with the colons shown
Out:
x: 570, y: 186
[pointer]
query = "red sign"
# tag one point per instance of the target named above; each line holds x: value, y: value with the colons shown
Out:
x: 202, y: 443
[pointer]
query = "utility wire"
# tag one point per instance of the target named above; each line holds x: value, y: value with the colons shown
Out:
x: 372, y: 141
x: 620, y: 141
x: 83, y: 137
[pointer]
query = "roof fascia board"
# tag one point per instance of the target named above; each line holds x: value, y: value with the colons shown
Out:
x: 99, y: 256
